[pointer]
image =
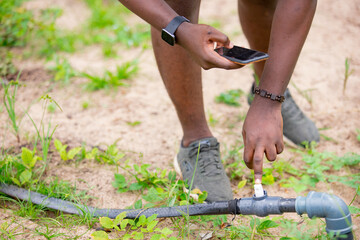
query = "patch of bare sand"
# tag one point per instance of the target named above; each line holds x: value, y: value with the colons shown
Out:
x: 333, y: 37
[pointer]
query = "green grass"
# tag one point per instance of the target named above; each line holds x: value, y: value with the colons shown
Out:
x: 9, y: 99
x: 112, y: 80
x: 230, y: 97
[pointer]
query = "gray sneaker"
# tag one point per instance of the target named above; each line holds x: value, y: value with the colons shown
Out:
x: 297, y: 126
x: 209, y: 175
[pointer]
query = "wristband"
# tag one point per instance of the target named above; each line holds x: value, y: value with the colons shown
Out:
x: 271, y: 96
x: 168, y: 33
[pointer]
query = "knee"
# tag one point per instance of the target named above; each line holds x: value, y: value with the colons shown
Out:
x: 186, y: 8
x: 262, y: 3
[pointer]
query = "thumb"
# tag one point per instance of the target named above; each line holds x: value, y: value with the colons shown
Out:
x: 220, y: 38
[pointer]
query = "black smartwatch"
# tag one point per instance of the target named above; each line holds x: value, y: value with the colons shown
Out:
x: 168, y: 33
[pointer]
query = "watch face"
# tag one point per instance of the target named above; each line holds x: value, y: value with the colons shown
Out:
x: 168, y: 37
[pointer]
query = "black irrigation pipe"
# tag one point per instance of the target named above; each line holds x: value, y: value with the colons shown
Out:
x: 315, y: 204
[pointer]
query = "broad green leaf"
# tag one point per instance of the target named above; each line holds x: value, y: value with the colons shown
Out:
x: 267, y: 224
x: 306, y: 179
x: 124, y: 223
x: 137, y: 235
x: 25, y: 176
x: 99, y: 235
x: 72, y: 152
x: 155, y: 237
x: 153, y: 196
x: 242, y: 184
x: 138, y: 204
x: 151, y: 218
x: 268, y: 179
x: 151, y: 225
x: 63, y: 154
x: 135, y: 186
x: 58, y: 145
x: 120, y: 182
x: 166, y: 231
x: 92, y: 154
x: 141, y: 221
x: 203, y: 196
x: 27, y: 157
x: 184, y: 202
x: 119, y: 218
x: 106, y: 222
x: 354, y: 210
x: 16, y: 181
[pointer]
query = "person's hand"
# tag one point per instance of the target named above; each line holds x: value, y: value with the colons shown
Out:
x: 262, y: 133
x: 199, y: 40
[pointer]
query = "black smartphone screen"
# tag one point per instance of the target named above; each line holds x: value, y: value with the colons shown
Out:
x: 242, y: 55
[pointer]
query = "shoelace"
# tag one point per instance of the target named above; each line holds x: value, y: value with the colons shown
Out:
x: 208, y: 161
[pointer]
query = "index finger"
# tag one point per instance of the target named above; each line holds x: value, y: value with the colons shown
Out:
x: 258, y: 164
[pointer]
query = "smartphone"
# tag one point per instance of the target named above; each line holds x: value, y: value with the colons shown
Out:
x: 242, y: 55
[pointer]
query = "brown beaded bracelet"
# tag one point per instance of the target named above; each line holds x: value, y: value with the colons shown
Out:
x: 265, y: 94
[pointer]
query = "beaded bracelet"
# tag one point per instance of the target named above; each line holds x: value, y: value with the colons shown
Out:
x: 265, y: 94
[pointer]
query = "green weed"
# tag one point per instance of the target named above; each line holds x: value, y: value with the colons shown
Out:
x: 48, y: 233
x: 145, y: 179
x: 106, y: 25
x: 9, y: 99
x: 347, y: 73
x: 43, y: 134
x: 112, y: 80
x: 305, y: 93
x: 112, y: 155
x: 16, y: 23
x: 85, y: 105
x: 212, y: 120
x: 230, y: 97
x: 133, y: 124
x: 323, y: 166
x: 140, y: 228
x: 64, y: 154
x: 10, y: 230
x: 62, y: 70
x: 6, y: 65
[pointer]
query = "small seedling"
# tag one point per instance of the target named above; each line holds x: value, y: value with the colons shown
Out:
x: 347, y: 73
x: 212, y: 120
x: 230, y: 97
x: 64, y: 154
x: 133, y: 124
x: 85, y: 105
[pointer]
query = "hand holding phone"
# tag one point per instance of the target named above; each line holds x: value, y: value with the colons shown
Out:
x: 242, y: 56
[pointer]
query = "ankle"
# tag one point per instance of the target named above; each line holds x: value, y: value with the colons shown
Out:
x: 187, y: 140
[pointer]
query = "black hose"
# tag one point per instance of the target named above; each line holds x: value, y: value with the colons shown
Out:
x: 332, y: 208
x: 215, y: 208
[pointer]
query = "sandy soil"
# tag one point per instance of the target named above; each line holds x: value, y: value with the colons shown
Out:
x: 334, y: 36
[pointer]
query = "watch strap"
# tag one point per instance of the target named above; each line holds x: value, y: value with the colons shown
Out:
x: 175, y: 23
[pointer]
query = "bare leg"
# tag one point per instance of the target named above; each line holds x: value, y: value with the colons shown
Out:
x: 182, y: 77
x: 256, y: 18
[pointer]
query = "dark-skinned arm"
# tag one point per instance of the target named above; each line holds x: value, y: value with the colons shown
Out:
x: 197, y: 39
x: 262, y: 130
